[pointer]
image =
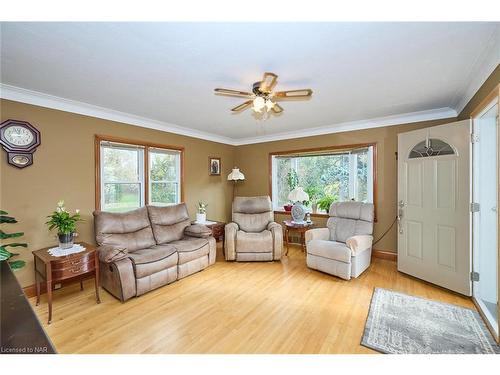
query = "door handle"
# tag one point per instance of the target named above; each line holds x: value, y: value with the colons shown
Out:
x: 401, y: 205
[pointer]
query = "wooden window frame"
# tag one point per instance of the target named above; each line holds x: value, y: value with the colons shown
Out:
x: 132, y: 142
x: 323, y: 149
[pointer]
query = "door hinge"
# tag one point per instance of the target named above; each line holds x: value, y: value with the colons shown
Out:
x: 474, y: 276
x: 474, y: 207
x: 474, y: 138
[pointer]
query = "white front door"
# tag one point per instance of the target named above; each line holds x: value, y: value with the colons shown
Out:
x: 434, y: 205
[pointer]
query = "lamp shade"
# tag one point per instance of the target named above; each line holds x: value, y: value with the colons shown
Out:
x: 298, y: 195
x: 235, y: 175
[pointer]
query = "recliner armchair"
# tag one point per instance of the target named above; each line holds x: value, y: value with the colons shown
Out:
x: 253, y: 235
x: 344, y: 248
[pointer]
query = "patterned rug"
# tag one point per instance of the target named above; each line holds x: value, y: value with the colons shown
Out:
x: 401, y: 324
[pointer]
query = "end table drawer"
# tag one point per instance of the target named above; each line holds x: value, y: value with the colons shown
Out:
x: 66, y: 273
x: 73, y: 261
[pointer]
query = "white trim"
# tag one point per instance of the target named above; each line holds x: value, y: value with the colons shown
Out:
x: 401, y: 119
x: 49, y: 101
x: 485, y: 65
x: 22, y: 95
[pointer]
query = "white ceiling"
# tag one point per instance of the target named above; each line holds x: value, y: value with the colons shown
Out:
x: 162, y: 75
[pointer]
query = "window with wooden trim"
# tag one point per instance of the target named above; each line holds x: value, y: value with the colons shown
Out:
x: 131, y: 174
x: 335, y: 174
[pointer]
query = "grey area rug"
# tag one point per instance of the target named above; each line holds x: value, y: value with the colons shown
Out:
x: 401, y: 324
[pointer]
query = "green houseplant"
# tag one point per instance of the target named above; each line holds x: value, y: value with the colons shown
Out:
x: 4, y: 253
x: 292, y: 180
x: 65, y: 224
x: 325, y: 202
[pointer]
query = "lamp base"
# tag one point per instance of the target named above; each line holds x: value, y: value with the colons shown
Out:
x: 298, y: 213
x: 299, y: 222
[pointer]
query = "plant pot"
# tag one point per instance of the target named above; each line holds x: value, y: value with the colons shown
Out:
x: 288, y: 207
x: 314, y: 207
x: 201, y: 218
x: 66, y: 240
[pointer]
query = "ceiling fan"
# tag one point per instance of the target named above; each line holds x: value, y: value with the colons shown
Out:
x: 262, y: 97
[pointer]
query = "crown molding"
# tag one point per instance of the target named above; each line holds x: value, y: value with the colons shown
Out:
x: 482, y: 69
x: 22, y: 95
x: 49, y: 101
x: 405, y: 118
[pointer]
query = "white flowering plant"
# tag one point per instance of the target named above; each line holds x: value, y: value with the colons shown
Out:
x: 63, y: 220
x: 202, y: 207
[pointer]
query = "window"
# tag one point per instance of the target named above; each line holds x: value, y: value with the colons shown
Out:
x: 131, y: 174
x: 431, y: 147
x: 333, y: 175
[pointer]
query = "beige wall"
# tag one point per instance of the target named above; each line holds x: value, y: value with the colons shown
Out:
x: 64, y: 169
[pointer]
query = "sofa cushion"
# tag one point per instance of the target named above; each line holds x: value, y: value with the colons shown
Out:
x: 155, y: 259
x: 261, y: 242
x: 330, y: 250
x: 168, y: 222
x: 129, y: 230
x: 190, y: 248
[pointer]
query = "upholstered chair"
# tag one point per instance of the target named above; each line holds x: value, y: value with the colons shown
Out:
x: 253, y: 235
x: 344, y: 248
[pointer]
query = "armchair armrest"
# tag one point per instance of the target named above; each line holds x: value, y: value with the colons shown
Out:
x: 198, y: 230
x: 230, y: 231
x: 359, y: 243
x: 110, y: 254
x: 318, y: 234
x: 277, y: 232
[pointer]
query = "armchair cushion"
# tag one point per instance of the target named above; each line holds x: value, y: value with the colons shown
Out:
x: 252, y: 214
x: 198, y: 230
x: 360, y: 243
x: 254, y: 242
x: 110, y: 254
x: 329, y: 250
x: 317, y: 234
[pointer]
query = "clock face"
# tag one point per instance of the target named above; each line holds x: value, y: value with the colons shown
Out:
x: 18, y: 135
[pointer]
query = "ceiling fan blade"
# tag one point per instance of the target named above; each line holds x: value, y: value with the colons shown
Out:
x: 268, y: 82
x: 241, y: 94
x: 242, y: 106
x: 277, y: 108
x: 293, y: 94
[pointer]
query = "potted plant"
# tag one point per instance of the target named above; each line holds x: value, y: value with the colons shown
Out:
x: 65, y: 224
x: 201, y: 215
x: 4, y: 253
x: 314, y: 193
x: 325, y: 202
x: 292, y: 179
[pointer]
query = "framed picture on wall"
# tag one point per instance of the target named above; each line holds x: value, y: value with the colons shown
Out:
x: 214, y: 166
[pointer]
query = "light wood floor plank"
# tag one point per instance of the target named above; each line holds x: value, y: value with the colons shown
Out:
x: 280, y: 307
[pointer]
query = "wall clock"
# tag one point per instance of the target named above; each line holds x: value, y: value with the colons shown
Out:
x: 20, y: 140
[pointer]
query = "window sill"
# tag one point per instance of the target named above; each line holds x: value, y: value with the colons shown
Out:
x: 283, y: 212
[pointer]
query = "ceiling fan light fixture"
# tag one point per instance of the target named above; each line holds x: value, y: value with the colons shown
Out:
x: 258, y: 104
x: 269, y: 104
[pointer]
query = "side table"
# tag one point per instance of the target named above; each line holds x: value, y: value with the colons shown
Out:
x: 69, y: 268
x: 299, y: 228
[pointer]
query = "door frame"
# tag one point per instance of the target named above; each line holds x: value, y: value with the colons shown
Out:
x: 495, y: 93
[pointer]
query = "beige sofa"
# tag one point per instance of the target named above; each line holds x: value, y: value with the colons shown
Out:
x: 344, y: 248
x: 253, y: 235
x: 150, y: 247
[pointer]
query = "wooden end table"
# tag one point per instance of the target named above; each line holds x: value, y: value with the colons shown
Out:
x: 299, y: 228
x: 69, y: 268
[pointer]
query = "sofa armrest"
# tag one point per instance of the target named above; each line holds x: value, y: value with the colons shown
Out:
x: 198, y: 230
x: 359, y: 243
x: 230, y: 231
x: 277, y: 232
x: 318, y: 234
x: 110, y: 254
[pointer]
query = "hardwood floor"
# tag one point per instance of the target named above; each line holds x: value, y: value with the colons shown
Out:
x: 232, y: 308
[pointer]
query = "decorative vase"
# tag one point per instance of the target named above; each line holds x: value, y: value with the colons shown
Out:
x: 288, y: 207
x: 201, y: 218
x: 66, y: 240
x: 298, y: 213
